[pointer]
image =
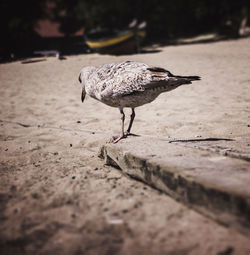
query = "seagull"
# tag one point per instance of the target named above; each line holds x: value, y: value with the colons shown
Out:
x: 128, y: 84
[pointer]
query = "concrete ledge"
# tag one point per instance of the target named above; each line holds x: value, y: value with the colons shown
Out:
x: 215, y: 185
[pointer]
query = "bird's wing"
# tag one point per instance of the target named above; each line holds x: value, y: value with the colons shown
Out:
x: 122, y: 79
x: 129, y: 77
x: 119, y: 79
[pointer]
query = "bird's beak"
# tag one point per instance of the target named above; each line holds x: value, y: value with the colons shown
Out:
x: 80, y: 78
x: 83, y: 89
x: 83, y: 94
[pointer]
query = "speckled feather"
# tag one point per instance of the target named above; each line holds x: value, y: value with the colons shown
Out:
x: 129, y: 84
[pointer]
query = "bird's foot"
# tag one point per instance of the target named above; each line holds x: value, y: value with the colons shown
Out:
x: 127, y: 133
x: 117, y: 138
x: 130, y: 134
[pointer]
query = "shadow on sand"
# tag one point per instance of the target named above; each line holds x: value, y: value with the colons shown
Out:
x: 210, y: 139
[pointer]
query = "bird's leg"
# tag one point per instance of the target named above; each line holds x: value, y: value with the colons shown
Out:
x: 132, y: 116
x: 122, y: 135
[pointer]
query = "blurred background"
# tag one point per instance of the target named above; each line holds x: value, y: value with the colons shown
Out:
x: 31, y: 27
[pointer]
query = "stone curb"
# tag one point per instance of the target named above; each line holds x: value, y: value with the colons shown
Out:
x: 215, y: 185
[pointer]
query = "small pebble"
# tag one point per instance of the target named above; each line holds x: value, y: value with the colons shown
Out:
x: 115, y: 221
x: 34, y: 195
x: 13, y: 188
x: 73, y: 177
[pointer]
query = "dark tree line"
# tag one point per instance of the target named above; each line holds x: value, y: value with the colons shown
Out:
x: 165, y: 18
x: 17, y: 23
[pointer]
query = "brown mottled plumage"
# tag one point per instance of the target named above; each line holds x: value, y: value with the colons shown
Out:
x: 128, y: 84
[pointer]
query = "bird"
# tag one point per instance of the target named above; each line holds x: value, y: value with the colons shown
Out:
x: 128, y: 84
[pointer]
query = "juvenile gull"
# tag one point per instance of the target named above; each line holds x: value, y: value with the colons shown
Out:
x: 128, y: 84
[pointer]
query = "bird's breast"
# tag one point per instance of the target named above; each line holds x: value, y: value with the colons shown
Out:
x: 132, y: 100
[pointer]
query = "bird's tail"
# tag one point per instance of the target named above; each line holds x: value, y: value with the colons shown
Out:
x: 188, y: 78
x: 177, y: 80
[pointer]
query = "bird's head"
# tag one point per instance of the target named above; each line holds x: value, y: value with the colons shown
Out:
x: 83, y: 78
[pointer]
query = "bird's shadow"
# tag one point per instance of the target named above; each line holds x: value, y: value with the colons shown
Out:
x: 210, y: 139
x: 131, y: 134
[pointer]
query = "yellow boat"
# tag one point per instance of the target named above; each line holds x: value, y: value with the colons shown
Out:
x: 126, y: 41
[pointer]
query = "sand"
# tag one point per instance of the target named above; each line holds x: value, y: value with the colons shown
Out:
x: 57, y: 197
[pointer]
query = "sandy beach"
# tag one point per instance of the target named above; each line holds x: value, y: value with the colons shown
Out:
x: 58, y: 197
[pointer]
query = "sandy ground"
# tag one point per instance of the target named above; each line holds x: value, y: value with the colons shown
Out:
x: 57, y: 197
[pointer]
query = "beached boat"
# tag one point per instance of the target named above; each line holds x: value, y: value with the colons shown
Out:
x: 121, y: 42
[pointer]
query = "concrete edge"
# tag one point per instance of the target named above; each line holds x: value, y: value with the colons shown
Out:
x: 227, y: 208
